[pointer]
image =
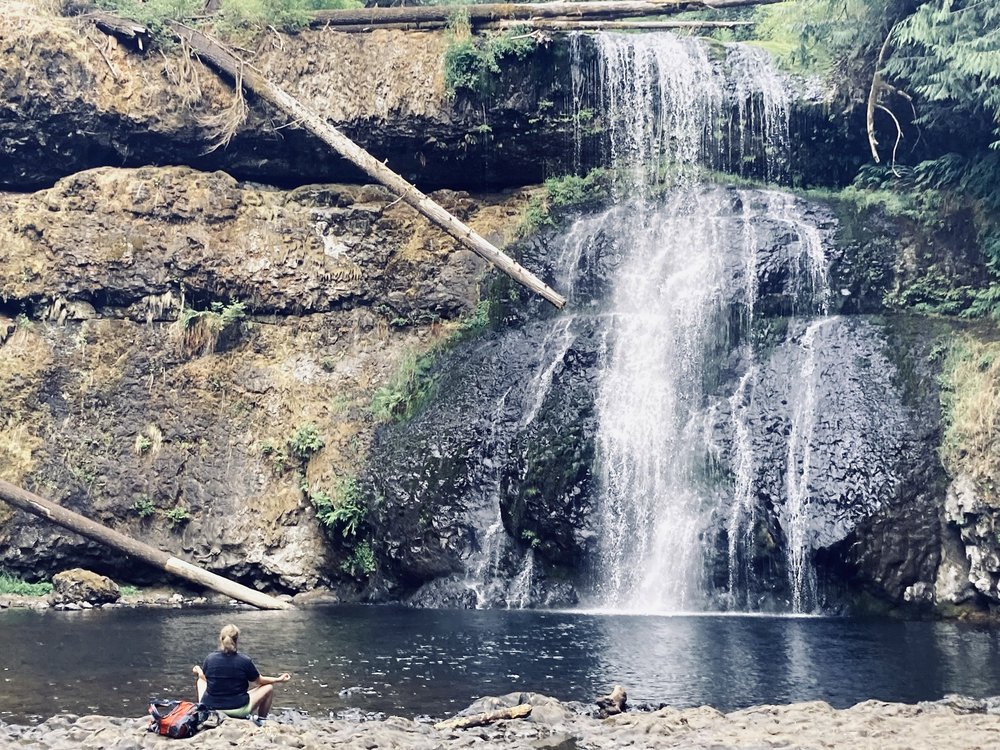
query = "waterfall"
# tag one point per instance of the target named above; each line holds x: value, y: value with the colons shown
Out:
x: 680, y: 311
x: 797, y: 473
x: 674, y: 293
x: 660, y: 95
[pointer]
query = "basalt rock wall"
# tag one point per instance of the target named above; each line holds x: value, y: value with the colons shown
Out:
x: 174, y: 427
x: 73, y: 98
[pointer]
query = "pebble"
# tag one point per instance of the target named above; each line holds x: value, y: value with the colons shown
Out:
x: 955, y: 723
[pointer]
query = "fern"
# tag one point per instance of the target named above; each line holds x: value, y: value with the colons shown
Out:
x: 948, y: 51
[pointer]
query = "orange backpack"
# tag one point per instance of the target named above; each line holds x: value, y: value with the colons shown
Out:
x: 178, y: 718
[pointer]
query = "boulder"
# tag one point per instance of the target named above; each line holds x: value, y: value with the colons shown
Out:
x: 78, y: 585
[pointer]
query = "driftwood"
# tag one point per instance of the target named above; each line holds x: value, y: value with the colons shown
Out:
x: 487, y: 717
x: 439, y: 15
x: 220, y: 57
x: 615, y: 702
x: 59, y: 515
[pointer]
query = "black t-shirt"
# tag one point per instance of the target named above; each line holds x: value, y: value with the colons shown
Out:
x: 229, y: 676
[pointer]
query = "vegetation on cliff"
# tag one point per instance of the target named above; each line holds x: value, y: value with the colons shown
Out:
x: 234, y: 17
x: 928, y: 75
x: 971, y: 400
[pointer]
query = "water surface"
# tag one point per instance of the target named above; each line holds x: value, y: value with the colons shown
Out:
x: 411, y: 662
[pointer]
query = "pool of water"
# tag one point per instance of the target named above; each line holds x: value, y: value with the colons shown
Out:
x: 411, y: 662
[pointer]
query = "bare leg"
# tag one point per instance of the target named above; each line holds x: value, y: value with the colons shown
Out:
x: 260, y: 700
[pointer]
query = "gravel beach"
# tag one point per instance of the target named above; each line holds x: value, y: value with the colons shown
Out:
x: 955, y: 723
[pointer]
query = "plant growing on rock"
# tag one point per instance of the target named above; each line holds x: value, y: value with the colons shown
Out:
x: 345, y: 510
x: 531, y: 538
x: 406, y: 393
x: 202, y: 331
x: 12, y: 585
x: 361, y: 561
x: 142, y: 445
x: 306, y: 442
x: 144, y: 507
x: 563, y: 195
x: 471, y: 62
x: 177, y: 515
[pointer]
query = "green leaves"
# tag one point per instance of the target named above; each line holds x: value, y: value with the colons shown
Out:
x: 470, y: 62
x: 344, y: 510
x: 948, y: 52
x: 305, y: 442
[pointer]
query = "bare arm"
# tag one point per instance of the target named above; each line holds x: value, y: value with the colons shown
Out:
x: 264, y: 680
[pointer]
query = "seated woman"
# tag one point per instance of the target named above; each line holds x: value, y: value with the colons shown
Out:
x: 230, y: 683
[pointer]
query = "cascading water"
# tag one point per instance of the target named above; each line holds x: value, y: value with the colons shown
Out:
x: 662, y: 432
x: 689, y: 262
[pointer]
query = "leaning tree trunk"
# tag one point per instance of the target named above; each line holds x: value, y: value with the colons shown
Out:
x: 221, y: 58
x: 59, y: 515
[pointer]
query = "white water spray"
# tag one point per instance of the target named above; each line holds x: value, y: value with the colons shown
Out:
x: 671, y: 314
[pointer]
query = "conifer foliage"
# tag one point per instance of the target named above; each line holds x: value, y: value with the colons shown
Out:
x: 948, y: 51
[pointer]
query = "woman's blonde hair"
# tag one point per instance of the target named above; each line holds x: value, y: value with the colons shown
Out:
x: 227, y: 639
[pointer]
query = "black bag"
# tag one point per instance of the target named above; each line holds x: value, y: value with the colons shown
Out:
x: 180, y: 718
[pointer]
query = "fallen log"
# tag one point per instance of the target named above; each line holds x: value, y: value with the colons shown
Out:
x: 101, y: 534
x: 487, y: 717
x: 492, y: 12
x: 221, y: 58
x: 552, y: 24
x: 559, y: 24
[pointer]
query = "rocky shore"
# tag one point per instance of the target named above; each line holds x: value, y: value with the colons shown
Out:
x: 956, y: 723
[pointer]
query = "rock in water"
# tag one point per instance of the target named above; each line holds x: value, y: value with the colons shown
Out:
x: 78, y: 585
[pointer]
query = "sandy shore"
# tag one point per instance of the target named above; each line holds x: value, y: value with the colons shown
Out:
x: 954, y: 723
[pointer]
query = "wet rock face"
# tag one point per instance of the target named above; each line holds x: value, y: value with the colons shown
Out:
x: 473, y: 486
x: 843, y: 408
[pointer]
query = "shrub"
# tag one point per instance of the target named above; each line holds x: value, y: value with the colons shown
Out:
x: 305, y: 442
x: 144, y: 507
x: 361, y: 561
x: 10, y: 584
x: 470, y: 62
x: 345, y: 511
x: 177, y: 515
x: 573, y: 191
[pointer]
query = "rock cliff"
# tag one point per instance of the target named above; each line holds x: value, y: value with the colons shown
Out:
x: 192, y: 335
